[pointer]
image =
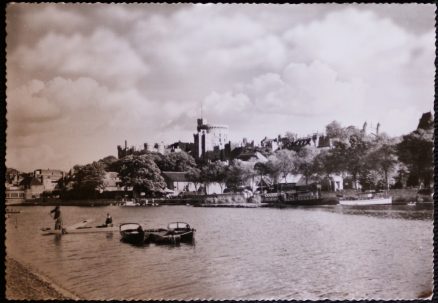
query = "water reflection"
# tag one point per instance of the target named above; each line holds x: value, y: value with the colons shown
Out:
x: 419, y: 211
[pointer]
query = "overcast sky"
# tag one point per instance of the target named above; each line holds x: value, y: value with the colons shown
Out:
x: 82, y: 78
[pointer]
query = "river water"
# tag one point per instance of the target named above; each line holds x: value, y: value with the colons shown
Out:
x: 334, y: 252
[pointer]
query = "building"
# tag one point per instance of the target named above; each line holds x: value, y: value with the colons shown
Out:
x: 123, y: 151
x: 295, y: 143
x: 270, y: 144
x: 181, y: 146
x: 337, y: 182
x: 210, y: 138
x: 178, y: 182
x: 111, y: 182
x: 49, y: 178
x: 14, y: 195
x: 112, y: 187
x: 32, y: 186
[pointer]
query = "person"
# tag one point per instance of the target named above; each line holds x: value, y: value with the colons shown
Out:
x: 109, y: 220
x: 57, y: 217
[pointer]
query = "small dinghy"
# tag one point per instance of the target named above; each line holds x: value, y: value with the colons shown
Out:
x: 132, y: 233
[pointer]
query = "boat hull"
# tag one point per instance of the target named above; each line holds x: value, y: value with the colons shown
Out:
x: 80, y: 230
x: 374, y: 201
x: 168, y: 237
x: 133, y: 237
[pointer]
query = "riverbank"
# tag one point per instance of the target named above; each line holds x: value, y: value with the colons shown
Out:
x: 399, y: 196
x: 24, y: 284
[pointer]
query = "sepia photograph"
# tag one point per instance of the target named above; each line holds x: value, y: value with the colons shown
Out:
x: 219, y: 151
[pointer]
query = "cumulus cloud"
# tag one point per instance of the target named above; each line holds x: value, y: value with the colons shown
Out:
x: 64, y: 114
x: 82, y: 78
x: 102, y: 55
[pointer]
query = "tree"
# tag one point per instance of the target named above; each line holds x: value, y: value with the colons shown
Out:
x: 370, y: 179
x: 383, y: 159
x: 335, y: 130
x: 213, y: 172
x: 323, y: 167
x: 416, y: 152
x: 280, y: 164
x: 88, y: 180
x: 142, y: 174
x: 304, y: 162
x: 261, y: 168
x: 355, y: 156
x: 349, y: 155
x: 11, y: 174
x: 193, y: 174
x: 175, y: 161
x: 109, y: 163
x: 237, y: 173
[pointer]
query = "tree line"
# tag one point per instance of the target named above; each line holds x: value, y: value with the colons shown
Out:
x: 368, y: 161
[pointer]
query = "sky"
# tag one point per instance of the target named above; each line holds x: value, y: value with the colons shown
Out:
x: 82, y: 78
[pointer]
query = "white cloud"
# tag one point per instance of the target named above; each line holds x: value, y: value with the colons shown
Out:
x: 103, y: 56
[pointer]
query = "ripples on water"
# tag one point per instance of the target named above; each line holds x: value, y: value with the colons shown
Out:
x: 302, y: 253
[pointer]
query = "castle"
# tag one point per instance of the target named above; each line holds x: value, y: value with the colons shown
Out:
x: 210, y: 138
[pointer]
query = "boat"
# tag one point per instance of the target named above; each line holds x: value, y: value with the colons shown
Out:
x: 175, y: 233
x: 366, y: 199
x: 12, y: 211
x: 140, y: 202
x: 132, y: 233
x: 292, y: 198
x: 411, y: 204
x: 161, y: 236
x: 80, y: 228
x: 130, y: 203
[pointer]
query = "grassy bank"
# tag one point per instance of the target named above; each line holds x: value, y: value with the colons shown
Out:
x: 23, y: 284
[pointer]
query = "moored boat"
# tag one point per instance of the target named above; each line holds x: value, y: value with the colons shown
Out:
x: 130, y: 203
x: 132, y: 233
x: 292, y: 198
x: 366, y: 199
x: 175, y: 233
x: 12, y: 211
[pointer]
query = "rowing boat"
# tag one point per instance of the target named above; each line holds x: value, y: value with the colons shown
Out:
x: 175, y: 233
x: 80, y: 228
x: 132, y: 233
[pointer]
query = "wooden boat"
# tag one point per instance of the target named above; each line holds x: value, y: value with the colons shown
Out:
x: 161, y: 236
x: 366, y: 199
x: 175, y: 233
x: 130, y: 203
x: 80, y: 228
x: 132, y: 233
x: 12, y: 211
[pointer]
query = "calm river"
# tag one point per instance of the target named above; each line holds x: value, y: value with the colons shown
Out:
x: 334, y: 252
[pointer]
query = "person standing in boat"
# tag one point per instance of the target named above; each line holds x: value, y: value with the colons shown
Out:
x: 57, y: 216
x: 109, y: 220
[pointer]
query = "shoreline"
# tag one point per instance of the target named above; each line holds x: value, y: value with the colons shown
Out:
x: 24, y: 283
x: 400, y: 197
